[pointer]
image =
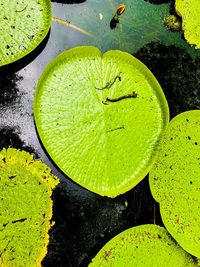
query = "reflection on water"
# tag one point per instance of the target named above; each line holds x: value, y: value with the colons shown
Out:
x: 140, y: 24
x: 158, y: 2
x: 9, y: 92
x: 10, y: 138
x: 178, y: 74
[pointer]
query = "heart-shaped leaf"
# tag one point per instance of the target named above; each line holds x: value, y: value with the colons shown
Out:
x: 100, y: 117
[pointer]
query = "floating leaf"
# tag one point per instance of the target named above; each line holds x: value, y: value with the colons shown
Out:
x: 23, y: 25
x: 26, y: 208
x: 175, y: 183
x: 100, y: 117
x: 189, y: 10
x: 143, y: 246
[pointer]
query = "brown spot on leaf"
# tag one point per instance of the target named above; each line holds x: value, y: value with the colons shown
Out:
x: 107, y: 254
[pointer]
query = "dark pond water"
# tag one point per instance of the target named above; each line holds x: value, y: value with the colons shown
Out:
x: 84, y: 221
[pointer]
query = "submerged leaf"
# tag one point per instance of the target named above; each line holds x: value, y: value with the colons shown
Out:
x: 23, y: 25
x: 26, y: 208
x: 100, y: 117
x: 114, y: 24
x: 175, y: 180
x: 143, y: 246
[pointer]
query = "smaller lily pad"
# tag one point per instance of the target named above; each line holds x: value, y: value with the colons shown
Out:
x: 100, y: 118
x: 23, y: 26
x: 26, y: 208
x: 143, y: 246
x: 189, y: 10
x: 175, y: 180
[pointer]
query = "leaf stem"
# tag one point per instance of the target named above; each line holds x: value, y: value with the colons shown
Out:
x: 68, y: 24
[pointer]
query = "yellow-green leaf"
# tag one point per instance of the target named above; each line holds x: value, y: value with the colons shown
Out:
x: 23, y: 25
x: 25, y: 208
x: 189, y: 10
x: 175, y: 180
x: 143, y: 246
x: 100, y: 117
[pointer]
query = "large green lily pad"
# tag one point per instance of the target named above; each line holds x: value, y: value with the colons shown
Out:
x: 105, y: 145
x: 143, y: 246
x: 175, y: 180
x: 189, y: 10
x: 26, y: 208
x: 23, y: 25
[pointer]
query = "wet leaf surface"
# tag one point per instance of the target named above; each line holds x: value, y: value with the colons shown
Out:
x: 23, y: 26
